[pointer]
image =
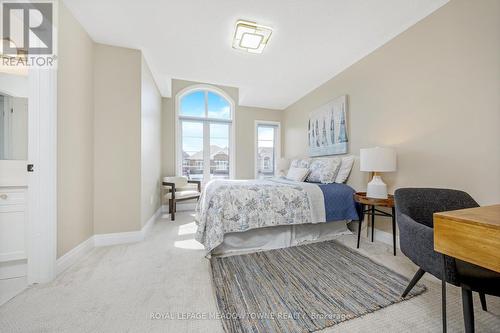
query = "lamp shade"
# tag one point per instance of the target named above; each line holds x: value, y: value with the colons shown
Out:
x: 378, y: 159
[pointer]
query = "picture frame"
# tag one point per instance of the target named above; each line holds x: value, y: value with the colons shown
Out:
x: 327, y: 129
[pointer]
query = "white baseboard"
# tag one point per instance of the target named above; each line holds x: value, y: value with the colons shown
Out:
x: 75, y: 254
x: 379, y: 235
x: 149, y: 224
x: 126, y: 237
x: 85, y: 247
x: 385, y: 237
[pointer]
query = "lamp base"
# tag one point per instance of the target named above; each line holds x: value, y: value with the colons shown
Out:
x: 376, y: 188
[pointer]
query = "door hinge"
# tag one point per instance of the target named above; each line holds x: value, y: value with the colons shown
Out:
x: 30, y: 167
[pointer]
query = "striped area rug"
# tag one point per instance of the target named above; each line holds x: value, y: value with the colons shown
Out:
x: 302, y: 289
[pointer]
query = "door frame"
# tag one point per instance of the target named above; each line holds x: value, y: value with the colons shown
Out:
x: 42, y: 183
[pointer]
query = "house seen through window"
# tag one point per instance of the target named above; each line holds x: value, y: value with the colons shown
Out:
x: 205, y: 118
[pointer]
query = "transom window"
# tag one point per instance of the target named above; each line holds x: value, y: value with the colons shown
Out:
x: 204, y: 123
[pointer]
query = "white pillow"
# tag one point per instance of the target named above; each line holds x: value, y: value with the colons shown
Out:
x: 297, y: 174
x: 323, y: 170
x: 300, y: 163
x: 345, y: 169
x: 329, y: 174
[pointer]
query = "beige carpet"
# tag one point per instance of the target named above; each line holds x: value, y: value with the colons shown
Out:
x: 119, y: 288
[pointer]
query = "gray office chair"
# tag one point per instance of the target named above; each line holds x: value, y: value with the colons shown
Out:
x: 414, y: 215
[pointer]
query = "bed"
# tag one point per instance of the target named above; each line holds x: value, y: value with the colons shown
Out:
x: 236, y: 216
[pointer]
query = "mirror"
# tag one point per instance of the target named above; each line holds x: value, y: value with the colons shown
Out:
x: 13, y: 127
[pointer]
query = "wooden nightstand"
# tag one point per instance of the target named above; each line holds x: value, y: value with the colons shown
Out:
x: 368, y: 207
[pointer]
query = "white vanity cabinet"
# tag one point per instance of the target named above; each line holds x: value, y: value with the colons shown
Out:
x: 13, y: 241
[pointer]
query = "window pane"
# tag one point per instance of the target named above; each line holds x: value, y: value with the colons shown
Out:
x: 266, y: 150
x: 193, y: 105
x: 192, y: 149
x: 219, y: 151
x: 218, y: 106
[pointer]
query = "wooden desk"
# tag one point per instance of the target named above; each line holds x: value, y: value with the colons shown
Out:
x: 471, y: 235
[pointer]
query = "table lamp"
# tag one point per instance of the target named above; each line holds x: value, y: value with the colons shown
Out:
x: 377, y: 160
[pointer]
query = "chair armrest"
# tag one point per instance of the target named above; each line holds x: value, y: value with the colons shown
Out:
x: 198, y: 182
x: 172, y: 188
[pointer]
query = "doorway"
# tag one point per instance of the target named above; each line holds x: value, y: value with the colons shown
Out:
x: 28, y: 127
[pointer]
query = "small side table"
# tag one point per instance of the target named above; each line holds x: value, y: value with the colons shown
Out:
x: 368, y: 207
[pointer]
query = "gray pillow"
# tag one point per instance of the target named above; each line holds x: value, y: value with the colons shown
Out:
x: 323, y: 170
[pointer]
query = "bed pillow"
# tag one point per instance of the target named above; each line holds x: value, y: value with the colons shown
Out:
x: 345, y: 169
x: 323, y: 170
x: 300, y: 163
x: 329, y: 174
x: 297, y: 174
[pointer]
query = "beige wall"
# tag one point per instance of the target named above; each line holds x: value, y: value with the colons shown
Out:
x: 75, y: 134
x: 244, y: 132
x: 167, y: 137
x: 151, y: 110
x: 117, y: 139
x: 245, y: 137
x: 109, y: 137
x: 433, y: 94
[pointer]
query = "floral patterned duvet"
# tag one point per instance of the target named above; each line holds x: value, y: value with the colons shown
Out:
x: 239, y: 205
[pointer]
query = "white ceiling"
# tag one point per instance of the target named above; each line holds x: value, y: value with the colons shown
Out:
x: 191, y: 39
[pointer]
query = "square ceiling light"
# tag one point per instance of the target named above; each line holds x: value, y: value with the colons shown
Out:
x: 250, y: 36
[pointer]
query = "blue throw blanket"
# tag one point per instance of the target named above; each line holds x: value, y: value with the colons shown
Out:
x: 339, y: 202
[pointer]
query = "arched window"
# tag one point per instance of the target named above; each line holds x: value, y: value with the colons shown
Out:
x: 204, y: 133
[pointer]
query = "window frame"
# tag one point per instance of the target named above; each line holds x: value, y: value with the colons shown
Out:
x: 206, y: 127
x: 277, y: 144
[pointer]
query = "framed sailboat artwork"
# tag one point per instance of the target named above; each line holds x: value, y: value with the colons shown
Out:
x: 327, y: 128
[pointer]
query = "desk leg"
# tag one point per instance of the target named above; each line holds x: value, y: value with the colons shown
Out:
x: 394, y: 230
x: 360, y: 223
x: 443, y: 294
x: 468, y: 310
x: 373, y: 221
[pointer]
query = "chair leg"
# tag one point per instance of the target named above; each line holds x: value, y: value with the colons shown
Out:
x: 373, y: 221
x: 418, y: 275
x: 482, y: 297
x: 468, y: 310
x: 359, y: 226
x: 172, y: 209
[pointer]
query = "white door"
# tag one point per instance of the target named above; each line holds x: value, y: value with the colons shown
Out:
x: 267, y: 148
x: 13, y: 195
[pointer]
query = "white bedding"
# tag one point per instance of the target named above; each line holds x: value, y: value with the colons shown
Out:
x: 230, y: 206
x: 279, y: 237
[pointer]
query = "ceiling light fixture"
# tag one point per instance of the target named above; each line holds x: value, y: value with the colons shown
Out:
x: 250, y: 36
